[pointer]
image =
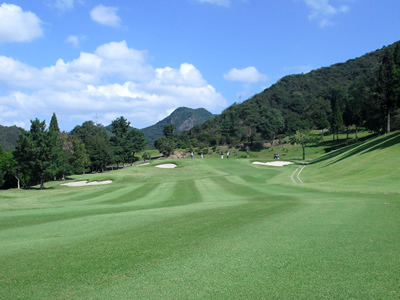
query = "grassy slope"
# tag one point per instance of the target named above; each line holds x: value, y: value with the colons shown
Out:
x: 371, y: 166
x: 211, y: 229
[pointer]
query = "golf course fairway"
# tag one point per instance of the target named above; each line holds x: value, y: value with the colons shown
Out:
x: 211, y: 229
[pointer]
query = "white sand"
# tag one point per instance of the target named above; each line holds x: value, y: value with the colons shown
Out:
x: 166, y: 166
x: 85, y: 183
x: 273, y: 163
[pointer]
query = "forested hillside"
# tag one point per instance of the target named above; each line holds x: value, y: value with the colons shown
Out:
x: 362, y: 92
x: 9, y: 137
x: 183, y: 118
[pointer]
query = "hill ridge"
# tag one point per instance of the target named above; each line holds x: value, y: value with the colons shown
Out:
x: 183, y: 117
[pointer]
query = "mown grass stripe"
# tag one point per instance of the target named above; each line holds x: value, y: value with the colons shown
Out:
x: 211, y: 229
x: 134, y: 193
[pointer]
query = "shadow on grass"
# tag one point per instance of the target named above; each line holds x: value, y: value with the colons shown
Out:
x: 333, y: 154
x: 37, y: 188
x: 366, y: 146
x: 395, y: 139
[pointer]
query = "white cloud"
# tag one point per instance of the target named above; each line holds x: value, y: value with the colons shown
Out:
x: 17, y: 25
x: 226, y: 3
x: 322, y: 11
x: 249, y: 75
x: 64, y: 4
x: 112, y: 81
x: 105, y: 15
x: 73, y: 40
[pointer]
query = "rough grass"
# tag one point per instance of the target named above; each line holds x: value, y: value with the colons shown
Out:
x: 211, y: 229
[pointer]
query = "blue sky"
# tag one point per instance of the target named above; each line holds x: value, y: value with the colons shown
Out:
x: 98, y: 60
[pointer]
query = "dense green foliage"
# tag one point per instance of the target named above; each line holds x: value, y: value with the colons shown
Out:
x: 363, y: 92
x: 34, y: 154
x: 183, y: 118
x: 211, y: 229
x: 7, y: 169
x: 125, y: 141
x: 44, y: 154
x: 166, y: 144
x: 97, y: 144
x: 9, y: 137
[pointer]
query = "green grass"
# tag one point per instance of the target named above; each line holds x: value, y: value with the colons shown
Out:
x: 211, y: 229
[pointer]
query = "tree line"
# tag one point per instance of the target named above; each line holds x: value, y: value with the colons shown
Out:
x: 43, y: 154
x: 361, y: 93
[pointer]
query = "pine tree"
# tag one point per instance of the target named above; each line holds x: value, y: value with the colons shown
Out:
x: 396, y: 83
x: 34, y: 154
x: 386, y: 86
x: 135, y: 143
x: 337, y: 119
x: 169, y: 130
x: 119, y: 142
x: 56, y: 142
x: 53, y: 127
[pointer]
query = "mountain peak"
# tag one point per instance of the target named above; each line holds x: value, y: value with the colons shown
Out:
x: 183, y: 118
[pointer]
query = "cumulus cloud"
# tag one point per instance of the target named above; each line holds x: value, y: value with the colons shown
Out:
x: 105, y: 15
x: 248, y: 75
x: 322, y: 11
x: 17, y: 25
x: 112, y: 81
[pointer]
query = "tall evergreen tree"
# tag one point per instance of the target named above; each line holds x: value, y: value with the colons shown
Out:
x: 119, y: 141
x: 169, y: 130
x: 7, y: 169
x: 386, y: 86
x: 337, y: 119
x: 135, y: 143
x: 317, y: 112
x: 58, y: 157
x: 166, y: 144
x: 396, y: 83
x: 250, y: 118
x: 34, y: 154
x: 53, y: 127
x: 80, y: 158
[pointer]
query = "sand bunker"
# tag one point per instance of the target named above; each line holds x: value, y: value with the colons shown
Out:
x: 166, y: 166
x: 273, y: 163
x: 85, y: 183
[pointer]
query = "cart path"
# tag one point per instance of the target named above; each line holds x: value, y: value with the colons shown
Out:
x: 298, y: 174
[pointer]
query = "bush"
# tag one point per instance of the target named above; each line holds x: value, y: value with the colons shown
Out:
x: 146, y: 155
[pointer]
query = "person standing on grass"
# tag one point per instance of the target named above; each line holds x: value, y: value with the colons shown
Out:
x: 191, y: 155
x: 227, y: 155
x: 222, y: 155
x: 201, y: 155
